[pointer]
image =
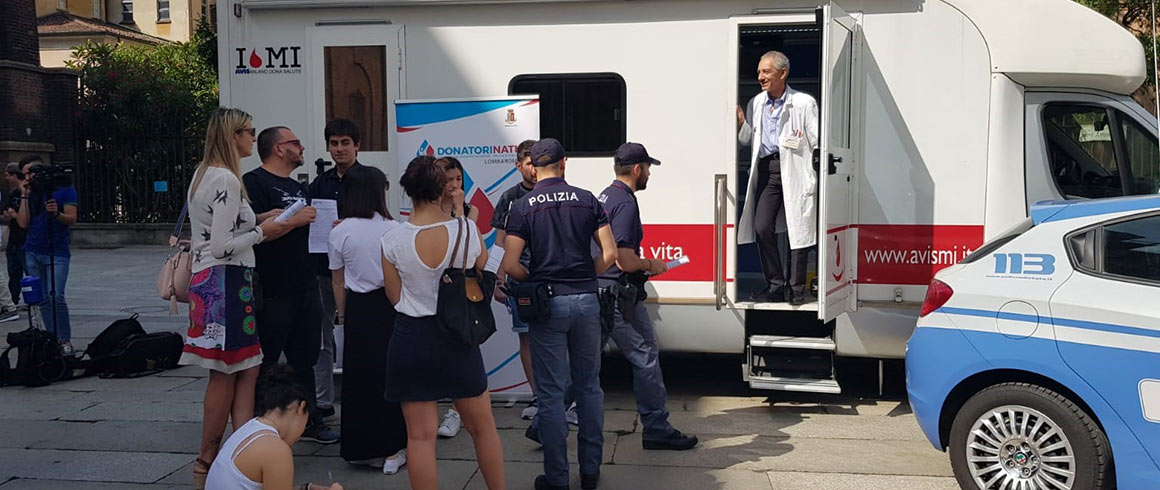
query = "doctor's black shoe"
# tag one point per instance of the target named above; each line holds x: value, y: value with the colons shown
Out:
x: 674, y: 442
x: 542, y: 484
x: 768, y: 295
x: 589, y: 482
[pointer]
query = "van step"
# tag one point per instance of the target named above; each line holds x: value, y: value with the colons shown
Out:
x: 810, y: 385
x: 780, y: 342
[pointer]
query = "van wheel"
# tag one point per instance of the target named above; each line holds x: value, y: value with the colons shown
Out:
x: 1023, y: 436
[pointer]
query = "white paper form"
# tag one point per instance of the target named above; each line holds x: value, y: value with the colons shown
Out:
x: 327, y: 214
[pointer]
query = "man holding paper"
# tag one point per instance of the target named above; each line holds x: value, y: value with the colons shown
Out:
x: 290, y: 315
x: 622, y: 292
x: 342, y: 142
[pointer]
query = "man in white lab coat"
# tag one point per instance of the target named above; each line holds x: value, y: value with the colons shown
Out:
x: 781, y: 125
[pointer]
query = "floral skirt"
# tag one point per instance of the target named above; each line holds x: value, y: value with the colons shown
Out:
x: 223, y: 333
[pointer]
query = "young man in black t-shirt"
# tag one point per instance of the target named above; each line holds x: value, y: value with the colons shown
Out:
x: 342, y: 142
x: 290, y: 315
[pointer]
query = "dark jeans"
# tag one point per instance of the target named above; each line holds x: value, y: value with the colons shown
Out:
x: 15, y: 256
x: 769, y: 205
x: 291, y: 324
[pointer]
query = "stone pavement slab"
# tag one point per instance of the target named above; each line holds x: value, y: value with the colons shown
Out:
x: 36, y: 404
x: 105, y: 435
x: 840, y: 481
x: 147, y: 411
x: 615, y: 477
x: 774, y: 422
x: 26, y: 484
x: 108, y: 466
x: 764, y: 453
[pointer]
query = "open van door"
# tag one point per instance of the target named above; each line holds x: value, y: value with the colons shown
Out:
x: 837, y: 247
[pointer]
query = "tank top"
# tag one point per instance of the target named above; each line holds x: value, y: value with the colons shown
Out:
x: 224, y: 474
x: 420, y: 293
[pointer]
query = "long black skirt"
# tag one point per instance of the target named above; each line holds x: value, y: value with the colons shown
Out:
x: 372, y: 427
x: 427, y: 364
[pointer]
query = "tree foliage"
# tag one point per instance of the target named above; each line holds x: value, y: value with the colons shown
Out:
x: 167, y: 90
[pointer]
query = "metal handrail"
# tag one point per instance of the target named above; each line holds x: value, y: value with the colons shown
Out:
x: 719, y: 207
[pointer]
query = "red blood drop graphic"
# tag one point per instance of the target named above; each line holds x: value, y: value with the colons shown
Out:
x: 430, y: 151
x: 480, y: 200
x: 255, y: 60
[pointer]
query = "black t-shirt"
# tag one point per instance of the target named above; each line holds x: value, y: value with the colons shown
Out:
x: 284, y: 265
x: 624, y: 216
x: 16, y: 234
x: 557, y: 221
x: 499, y: 217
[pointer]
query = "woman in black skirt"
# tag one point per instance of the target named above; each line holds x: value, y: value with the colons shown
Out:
x: 376, y: 433
x: 426, y: 364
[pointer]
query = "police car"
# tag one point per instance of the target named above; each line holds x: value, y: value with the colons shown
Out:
x: 1036, y: 360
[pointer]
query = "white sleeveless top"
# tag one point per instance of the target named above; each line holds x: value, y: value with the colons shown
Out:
x: 421, y: 283
x: 224, y: 474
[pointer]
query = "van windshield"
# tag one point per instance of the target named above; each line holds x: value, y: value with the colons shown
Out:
x: 1096, y: 151
x: 1004, y: 238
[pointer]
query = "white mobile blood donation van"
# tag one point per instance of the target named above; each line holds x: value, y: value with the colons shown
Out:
x: 941, y: 122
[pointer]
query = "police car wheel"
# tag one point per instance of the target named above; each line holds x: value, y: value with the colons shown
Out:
x: 1019, y: 435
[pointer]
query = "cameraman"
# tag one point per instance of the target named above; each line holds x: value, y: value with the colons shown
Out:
x: 43, y: 205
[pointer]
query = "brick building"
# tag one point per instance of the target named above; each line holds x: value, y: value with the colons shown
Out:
x: 37, y: 105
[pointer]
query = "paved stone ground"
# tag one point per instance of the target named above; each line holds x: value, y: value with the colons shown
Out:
x: 142, y: 433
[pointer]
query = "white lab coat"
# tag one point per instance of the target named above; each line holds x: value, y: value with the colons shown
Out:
x: 799, y: 181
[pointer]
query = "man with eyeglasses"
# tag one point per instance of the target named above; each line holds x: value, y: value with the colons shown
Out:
x: 290, y: 316
x: 342, y: 142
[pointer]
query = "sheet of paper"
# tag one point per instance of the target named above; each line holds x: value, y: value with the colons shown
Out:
x: 327, y: 210
x: 494, y: 258
x: 291, y: 211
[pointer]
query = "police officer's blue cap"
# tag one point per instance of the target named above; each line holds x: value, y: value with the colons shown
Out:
x: 632, y: 154
x: 546, y: 152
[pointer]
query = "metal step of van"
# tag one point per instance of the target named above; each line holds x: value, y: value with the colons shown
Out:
x: 780, y: 342
x: 810, y: 385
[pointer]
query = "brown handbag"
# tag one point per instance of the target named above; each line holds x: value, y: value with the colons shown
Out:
x: 173, y: 280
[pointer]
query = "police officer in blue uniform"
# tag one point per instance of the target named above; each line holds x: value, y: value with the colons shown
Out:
x: 558, y: 223
x: 622, y: 294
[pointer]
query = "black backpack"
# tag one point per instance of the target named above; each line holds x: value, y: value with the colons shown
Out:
x: 103, y: 346
x: 143, y: 354
x: 38, y: 359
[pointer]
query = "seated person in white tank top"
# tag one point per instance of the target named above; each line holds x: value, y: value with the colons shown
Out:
x: 257, y: 456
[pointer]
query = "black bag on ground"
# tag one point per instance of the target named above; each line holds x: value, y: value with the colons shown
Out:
x: 464, y: 303
x: 107, y: 341
x: 143, y: 354
x: 38, y: 359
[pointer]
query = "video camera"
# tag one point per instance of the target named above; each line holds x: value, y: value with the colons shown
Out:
x: 48, y: 178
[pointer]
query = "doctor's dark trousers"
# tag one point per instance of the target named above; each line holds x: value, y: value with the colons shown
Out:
x: 769, y: 204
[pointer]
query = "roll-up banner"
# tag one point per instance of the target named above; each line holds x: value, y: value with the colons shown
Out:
x: 482, y: 133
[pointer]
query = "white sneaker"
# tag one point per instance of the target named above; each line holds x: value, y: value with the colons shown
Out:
x: 451, y: 424
x: 392, y: 465
x: 571, y: 416
x: 9, y: 315
x: 530, y: 411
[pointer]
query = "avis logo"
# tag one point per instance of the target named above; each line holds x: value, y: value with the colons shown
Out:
x: 282, y: 59
x: 1025, y: 265
x: 425, y: 149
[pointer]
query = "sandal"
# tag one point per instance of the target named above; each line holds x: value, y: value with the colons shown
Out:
x: 200, y: 476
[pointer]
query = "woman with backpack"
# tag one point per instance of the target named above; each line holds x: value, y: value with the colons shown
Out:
x: 425, y: 364
x: 222, y: 335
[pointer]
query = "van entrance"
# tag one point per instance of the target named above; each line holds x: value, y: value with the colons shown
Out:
x: 791, y: 347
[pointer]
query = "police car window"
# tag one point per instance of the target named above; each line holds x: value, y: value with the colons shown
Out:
x: 1132, y: 248
x: 585, y: 111
x: 1081, y: 151
x: 1143, y: 155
